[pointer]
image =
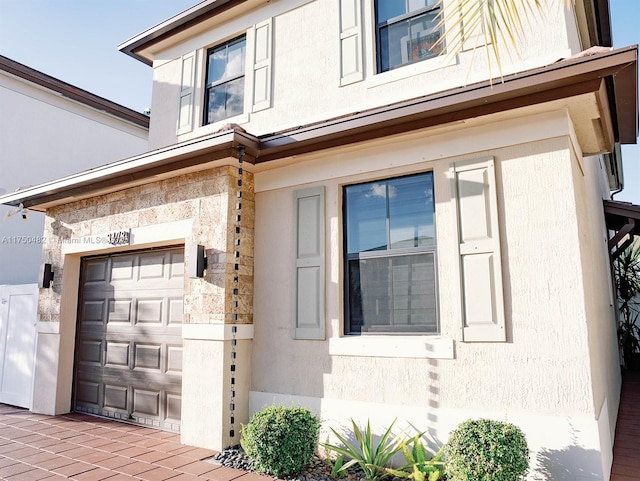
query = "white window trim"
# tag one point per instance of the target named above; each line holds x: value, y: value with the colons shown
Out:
x: 407, y: 347
x: 411, y: 70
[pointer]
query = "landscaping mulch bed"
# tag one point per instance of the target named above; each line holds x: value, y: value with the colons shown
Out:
x: 319, y: 470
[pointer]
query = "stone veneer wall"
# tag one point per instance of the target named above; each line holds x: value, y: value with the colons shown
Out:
x: 208, y: 197
x: 209, y: 200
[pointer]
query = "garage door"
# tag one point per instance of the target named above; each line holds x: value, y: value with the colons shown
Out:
x: 129, y: 338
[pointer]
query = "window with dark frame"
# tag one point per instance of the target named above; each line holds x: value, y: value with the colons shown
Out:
x: 224, y: 89
x: 406, y: 32
x: 390, y: 256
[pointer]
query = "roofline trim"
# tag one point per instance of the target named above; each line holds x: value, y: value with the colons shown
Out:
x: 135, y: 169
x: 563, y: 79
x: 179, y: 22
x: 72, y: 92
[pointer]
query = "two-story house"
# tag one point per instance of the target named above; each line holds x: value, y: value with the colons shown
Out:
x: 336, y: 216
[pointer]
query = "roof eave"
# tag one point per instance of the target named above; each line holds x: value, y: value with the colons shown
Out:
x: 559, y: 80
x: 177, y: 23
x: 72, y: 92
x: 135, y: 170
x: 563, y: 79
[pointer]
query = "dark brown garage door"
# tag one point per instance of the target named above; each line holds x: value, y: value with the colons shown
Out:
x: 129, y: 343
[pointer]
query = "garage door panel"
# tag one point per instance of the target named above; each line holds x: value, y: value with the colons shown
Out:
x: 174, y: 359
x: 174, y: 406
x: 146, y: 402
x: 132, y: 310
x: 119, y: 310
x: 149, y: 311
x: 152, y: 266
x: 117, y: 354
x: 176, y: 267
x: 95, y: 271
x: 176, y: 310
x: 122, y: 269
x: 88, y: 392
x: 148, y: 356
x: 93, y: 311
x: 116, y: 397
x: 89, y: 351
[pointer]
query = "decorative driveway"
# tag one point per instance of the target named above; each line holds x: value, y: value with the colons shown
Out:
x: 626, y: 449
x: 87, y: 448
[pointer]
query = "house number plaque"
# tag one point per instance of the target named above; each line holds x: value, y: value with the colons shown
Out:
x: 119, y: 238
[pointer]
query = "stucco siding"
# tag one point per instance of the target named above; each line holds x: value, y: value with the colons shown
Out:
x: 540, y: 369
x: 313, y: 61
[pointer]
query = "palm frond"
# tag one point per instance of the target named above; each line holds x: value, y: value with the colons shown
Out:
x: 491, y: 23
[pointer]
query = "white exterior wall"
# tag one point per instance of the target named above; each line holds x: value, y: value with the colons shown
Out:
x: 305, y: 74
x: 44, y: 136
x: 541, y: 378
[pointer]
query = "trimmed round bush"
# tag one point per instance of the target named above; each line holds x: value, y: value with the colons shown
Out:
x: 486, y: 450
x: 281, y: 440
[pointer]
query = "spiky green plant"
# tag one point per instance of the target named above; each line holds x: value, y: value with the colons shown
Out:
x: 371, y: 457
x: 419, y: 467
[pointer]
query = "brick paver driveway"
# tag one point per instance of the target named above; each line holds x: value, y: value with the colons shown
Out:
x: 88, y: 448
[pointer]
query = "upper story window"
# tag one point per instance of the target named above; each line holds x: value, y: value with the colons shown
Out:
x: 405, y: 32
x: 390, y: 248
x: 224, y: 89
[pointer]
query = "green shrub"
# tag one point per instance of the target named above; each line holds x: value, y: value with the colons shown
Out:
x: 281, y: 440
x: 486, y: 450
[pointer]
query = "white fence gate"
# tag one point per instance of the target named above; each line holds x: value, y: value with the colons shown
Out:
x: 18, y: 316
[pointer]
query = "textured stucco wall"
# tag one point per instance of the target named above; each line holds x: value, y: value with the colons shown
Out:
x: 313, y: 61
x: 541, y: 368
x: 559, y: 324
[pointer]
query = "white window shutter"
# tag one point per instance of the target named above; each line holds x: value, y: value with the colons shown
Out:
x: 351, y: 65
x: 479, y: 250
x: 262, y: 58
x: 187, y: 83
x: 308, y: 295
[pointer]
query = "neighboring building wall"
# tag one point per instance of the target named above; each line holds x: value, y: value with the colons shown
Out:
x: 542, y: 378
x: 194, y: 208
x: 304, y: 60
x: 45, y: 136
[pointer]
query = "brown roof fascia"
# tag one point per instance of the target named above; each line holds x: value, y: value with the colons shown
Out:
x: 42, y: 196
x: 183, y: 21
x: 617, y: 215
x: 603, y: 23
x: 559, y: 80
x: 74, y: 93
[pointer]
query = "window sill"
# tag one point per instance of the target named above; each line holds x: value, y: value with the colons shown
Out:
x: 411, y: 70
x: 215, y: 126
x: 414, y: 347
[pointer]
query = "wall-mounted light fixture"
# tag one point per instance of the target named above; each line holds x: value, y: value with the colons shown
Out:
x: 47, y: 276
x: 197, y: 261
